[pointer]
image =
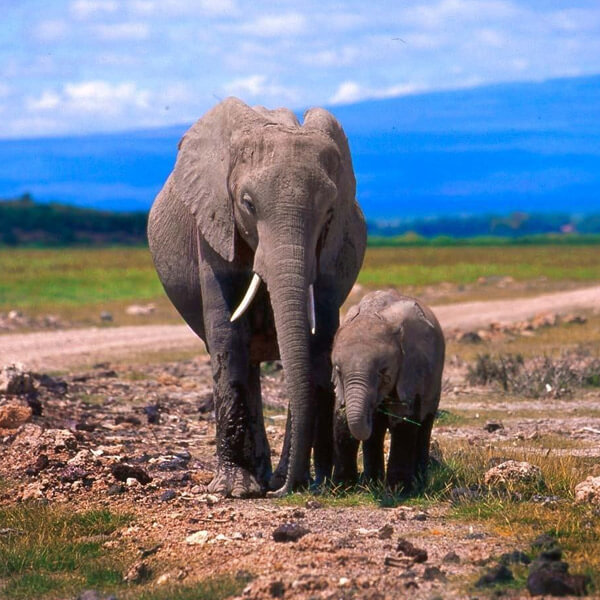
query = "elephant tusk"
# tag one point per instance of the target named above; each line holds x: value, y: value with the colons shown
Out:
x: 311, y: 309
x: 247, y: 300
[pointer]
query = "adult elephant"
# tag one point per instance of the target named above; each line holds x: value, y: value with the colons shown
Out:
x: 256, y: 197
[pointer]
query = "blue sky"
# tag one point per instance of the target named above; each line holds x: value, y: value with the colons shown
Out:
x: 80, y: 66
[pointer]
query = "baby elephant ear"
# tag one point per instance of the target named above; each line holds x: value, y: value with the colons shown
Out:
x: 200, y: 176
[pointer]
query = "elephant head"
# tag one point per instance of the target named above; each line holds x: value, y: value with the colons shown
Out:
x: 261, y: 185
x: 367, y: 362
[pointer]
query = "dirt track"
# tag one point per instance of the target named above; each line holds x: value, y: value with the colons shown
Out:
x: 58, y: 349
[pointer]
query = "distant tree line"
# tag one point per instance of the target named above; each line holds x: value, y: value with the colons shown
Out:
x: 515, y: 225
x: 29, y: 223
x: 24, y: 222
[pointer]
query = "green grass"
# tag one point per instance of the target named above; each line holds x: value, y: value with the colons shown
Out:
x: 431, y: 265
x: 33, y: 279
x: 55, y: 550
x: 76, y: 276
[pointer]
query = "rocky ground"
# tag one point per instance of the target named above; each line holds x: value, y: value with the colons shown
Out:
x: 137, y: 437
x: 140, y: 439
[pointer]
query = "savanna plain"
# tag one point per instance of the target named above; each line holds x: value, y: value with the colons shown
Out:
x: 104, y: 458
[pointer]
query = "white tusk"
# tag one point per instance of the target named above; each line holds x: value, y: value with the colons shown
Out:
x: 311, y: 309
x: 246, y: 301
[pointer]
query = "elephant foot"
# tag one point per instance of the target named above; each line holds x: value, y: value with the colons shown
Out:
x: 234, y: 481
x: 277, y: 479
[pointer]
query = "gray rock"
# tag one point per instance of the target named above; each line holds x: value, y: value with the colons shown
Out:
x: 289, y: 532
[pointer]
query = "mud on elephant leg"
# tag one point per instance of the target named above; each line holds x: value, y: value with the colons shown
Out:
x: 402, y: 461
x: 374, y: 465
x: 346, y: 451
x: 241, y: 462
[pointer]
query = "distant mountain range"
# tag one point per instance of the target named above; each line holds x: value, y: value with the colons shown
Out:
x: 532, y: 147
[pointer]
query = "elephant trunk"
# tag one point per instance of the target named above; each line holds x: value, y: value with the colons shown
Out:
x: 288, y: 288
x: 358, y: 395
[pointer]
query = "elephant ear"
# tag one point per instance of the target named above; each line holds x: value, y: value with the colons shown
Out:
x: 200, y: 176
x: 416, y: 334
x: 346, y: 234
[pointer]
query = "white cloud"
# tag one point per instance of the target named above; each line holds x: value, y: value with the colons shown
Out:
x: 183, y: 7
x: 259, y: 87
x: 47, y: 101
x: 104, y: 97
x: 5, y: 90
x: 276, y: 25
x: 84, y: 9
x: 448, y: 12
x: 351, y: 91
x: 122, y: 31
x: 336, y: 57
x: 50, y: 31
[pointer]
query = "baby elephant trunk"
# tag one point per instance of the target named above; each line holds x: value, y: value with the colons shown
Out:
x: 360, y: 402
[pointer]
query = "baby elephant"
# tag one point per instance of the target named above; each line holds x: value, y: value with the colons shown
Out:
x: 388, y: 358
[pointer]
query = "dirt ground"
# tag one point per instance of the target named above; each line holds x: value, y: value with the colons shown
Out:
x: 57, y: 349
x: 157, y: 418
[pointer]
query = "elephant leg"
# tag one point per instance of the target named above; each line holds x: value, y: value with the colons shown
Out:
x: 402, y: 461
x: 327, y: 323
x: 241, y: 463
x: 373, y: 461
x: 278, y: 477
x: 346, y: 451
x: 323, y: 444
x: 262, y: 453
x: 423, y: 444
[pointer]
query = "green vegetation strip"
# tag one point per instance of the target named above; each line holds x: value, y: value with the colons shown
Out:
x: 47, y: 278
x: 47, y: 550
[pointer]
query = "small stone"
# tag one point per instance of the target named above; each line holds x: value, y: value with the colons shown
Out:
x: 138, y: 573
x: 289, y: 532
x: 420, y: 516
x: 434, y: 574
x: 385, y: 532
x: 140, y: 310
x: 543, y: 541
x: 106, y: 317
x: 16, y: 380
x: 41, y: 463
x: 451, y: 558
x: 313, y: 504
x: 123, y: 471
x: 168, y: 495
x: 492, y: 426
x: 199, y: 538
x: 13, y: 415
x: 152, y: 413
x: 277, y: 589
x: 73, y: 473
x: 344, y: 581
x: 419, y: 555
x: 552, y: 578
x: 469, y: 337
x: 516, y: 557
x: 115, y: 489
x: 497, y: 574
x: 513, y: 472
x: 588, y: 491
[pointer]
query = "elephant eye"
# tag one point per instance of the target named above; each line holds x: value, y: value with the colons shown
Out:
x: 247, y: 203
x: 337, y: 369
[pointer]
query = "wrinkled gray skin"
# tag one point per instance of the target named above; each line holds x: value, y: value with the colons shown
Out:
x: 388, y: 358
x: 254, y: 191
